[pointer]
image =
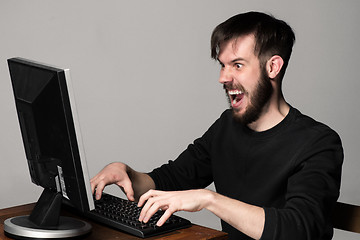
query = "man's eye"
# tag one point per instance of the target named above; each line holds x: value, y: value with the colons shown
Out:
x: 238, y: 65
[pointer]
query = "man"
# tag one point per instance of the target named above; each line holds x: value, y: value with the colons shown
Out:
x: 276, y: 171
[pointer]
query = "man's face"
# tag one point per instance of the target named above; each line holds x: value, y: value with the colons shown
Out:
x: 247, y: 85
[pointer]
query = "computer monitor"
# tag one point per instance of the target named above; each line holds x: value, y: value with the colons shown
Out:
x: 53, y: 147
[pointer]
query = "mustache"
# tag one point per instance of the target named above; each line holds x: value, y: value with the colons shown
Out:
x: 229, y: 86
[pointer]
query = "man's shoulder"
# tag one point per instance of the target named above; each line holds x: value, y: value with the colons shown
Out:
x: 308, y: 124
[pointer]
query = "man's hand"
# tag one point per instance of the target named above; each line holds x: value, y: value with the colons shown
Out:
x: 247, y: 218
x: 114, y: 173
x: 171, y: 202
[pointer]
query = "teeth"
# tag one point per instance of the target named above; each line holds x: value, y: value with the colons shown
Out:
x: 235, y: 92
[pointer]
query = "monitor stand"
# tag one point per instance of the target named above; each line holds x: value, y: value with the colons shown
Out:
x: 45, y: 221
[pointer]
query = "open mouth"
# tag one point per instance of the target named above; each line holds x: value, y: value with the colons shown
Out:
x: 235, y: 96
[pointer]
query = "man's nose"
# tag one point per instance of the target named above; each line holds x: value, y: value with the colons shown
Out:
x: 226, y: 76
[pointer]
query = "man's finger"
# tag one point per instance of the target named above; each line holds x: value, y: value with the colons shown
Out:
x: 99, y: 189
x: 129, y: 191
x: 167, y: 214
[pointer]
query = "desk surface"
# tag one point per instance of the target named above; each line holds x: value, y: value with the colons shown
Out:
x: 99, y: 231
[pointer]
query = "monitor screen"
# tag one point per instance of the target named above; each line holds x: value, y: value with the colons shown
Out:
x: 50, y: 131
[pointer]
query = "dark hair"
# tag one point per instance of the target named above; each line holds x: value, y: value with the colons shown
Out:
x: 272, y: 36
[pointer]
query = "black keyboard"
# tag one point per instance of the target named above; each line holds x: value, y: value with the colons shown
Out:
x: 123, y: 215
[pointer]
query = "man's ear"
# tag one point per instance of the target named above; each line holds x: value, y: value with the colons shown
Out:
x: 274, y: 65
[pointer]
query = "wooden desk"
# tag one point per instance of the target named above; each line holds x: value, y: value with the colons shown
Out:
x: 102, y: 232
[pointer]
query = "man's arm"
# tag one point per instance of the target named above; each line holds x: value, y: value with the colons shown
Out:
x: 247, y: 218
x: 133, y: 183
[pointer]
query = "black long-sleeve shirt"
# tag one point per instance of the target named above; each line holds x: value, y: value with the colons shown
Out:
x: 292, y: 170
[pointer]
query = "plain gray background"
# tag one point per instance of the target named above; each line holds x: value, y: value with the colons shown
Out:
x: 146, y: 87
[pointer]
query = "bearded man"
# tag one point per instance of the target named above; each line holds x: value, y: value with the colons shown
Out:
x: 276, y: 171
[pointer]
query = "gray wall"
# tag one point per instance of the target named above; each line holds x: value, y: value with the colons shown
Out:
x: 146, y: 86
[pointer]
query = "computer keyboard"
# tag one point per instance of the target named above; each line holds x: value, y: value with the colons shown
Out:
x: 123, y: 215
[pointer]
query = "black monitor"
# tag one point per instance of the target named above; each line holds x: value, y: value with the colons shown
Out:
x: 51, y: 135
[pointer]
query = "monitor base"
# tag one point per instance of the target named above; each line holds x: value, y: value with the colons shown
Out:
x: 22, y: 228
